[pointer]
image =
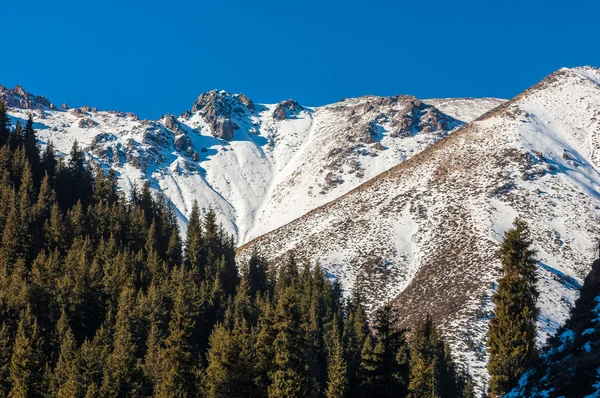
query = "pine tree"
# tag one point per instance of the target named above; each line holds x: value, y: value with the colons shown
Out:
x: 230, y: 371
x: 49, y: 162
x: 31, y: 149
x: 511, y: 334
x: 27, y: 362
x: 337, y: 382
x: 290, y: 377
x: 265, y: 354
x: 356, y: 331
x: 178, y: 355
x: 4, y: 123
x: 388, y: 366
x: 368, y: 368
x: 5, y: 353
x: 469, y: 388
x: 256, y: 273
x: 193, y: 247
x: 122, y: 367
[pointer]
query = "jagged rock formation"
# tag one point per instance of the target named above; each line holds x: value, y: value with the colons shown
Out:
x: 17, y: 97
x: 569, y: 366
x: 286, y: 109
x: 217, y: 108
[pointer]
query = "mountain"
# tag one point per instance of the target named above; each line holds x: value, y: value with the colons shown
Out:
x: 259, y: 166
x: 570, y: 365
x: 425, y: 233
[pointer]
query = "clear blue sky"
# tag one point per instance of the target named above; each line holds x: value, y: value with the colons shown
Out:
x: 155, y: 57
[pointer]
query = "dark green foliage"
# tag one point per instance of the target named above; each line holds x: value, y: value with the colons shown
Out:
x: 337, y: 380
x: 432, y: 370
x: 384, y: 360
x: 4, y: 124
x: 511, y: 335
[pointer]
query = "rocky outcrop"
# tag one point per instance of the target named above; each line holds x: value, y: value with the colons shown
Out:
x: 219, y: 108
x: 182, y: 142
x: 87, y: 123
x: 419, y: 117
x: 171, y: 123
x: 285, y: 109
x: 17, y: 97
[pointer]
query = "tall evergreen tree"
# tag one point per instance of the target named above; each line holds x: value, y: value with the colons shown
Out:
x: 511, y: 334
x: 337, y: 381
x: 4, y: 123
x: 290, y: 378
x: 31, y: 149
x: 27, y: 362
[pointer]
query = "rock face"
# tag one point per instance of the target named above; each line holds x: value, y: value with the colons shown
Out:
x: 218, y: 109
x: 286, y: 109
x: 171, y: 123
x: 569, y: 365
x: 17, y: 97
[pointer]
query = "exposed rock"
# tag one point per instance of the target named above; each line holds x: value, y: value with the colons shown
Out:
x: 171, y: 123
x: 77, y: 112
x: 285, y: 109
x: 64, y: 106
x: 87, y: 123
x: 182, y: 142
x: 247, y: 101
x: 218, y: 108
x: 225, y: 129
x: 17, y: 97
x: 132, y: 116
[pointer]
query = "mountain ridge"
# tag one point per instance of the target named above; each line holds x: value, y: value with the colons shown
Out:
x: 233, y: 155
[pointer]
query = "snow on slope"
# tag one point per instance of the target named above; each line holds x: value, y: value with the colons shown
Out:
x: 258, y: 166
x: 465, y: 109
x: 426, y: 232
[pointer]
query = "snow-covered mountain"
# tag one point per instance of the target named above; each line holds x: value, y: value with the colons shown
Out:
x: 258, y: 166
x: 426, y: 232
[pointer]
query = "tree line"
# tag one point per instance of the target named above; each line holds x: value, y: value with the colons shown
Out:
x: 101, y: 297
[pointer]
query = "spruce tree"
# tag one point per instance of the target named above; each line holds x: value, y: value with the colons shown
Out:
x: 511, y: 334
x: 27, y: 361
x: 290, y: 378
x: 4, y: 123
x: 193, y: 245
x: 337, y: 381
x: 5, y: 355
x: 31, y: 149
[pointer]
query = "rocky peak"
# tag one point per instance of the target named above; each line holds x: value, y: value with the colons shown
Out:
x: 285, y: 109
x: 17, y: 97
x: 170, y: 122
x: 220, y: 108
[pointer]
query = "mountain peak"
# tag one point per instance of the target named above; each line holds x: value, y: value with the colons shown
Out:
x: 17, y: 97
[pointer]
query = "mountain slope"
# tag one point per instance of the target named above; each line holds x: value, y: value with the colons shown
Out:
x: 258, y: 166
x: 426, y: 232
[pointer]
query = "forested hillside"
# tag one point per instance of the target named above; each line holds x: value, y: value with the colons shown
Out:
x: 100, y: 297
